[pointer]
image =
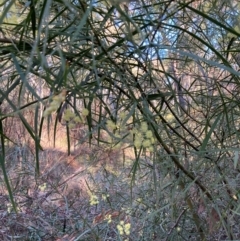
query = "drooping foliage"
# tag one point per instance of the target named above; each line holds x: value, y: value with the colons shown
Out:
x: 161, y: 77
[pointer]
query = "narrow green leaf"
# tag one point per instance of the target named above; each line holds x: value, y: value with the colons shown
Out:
x: 68, y: 140
x: 23, y: 78
x: 45, y: 7
x: 130, y: 113
x: 158, y: 96
x: 6, y: 10
x: 24, y: 121
x: 235, y: 159
x: 33, y: 17
x: 205, y: 16
x: 208, y: 136
x: 55, y: 130
x: 37, y: 139
x: 196, y: 57
x: 5, y: 176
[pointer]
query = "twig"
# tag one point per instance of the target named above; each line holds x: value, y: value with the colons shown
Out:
x: 178, y: 219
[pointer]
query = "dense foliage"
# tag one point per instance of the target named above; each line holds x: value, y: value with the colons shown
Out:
x: 161, y: 77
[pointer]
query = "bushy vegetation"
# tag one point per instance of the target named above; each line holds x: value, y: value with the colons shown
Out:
x: 119, y: 120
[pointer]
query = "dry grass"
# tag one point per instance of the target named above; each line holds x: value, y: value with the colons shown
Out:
x: 55, y: 204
